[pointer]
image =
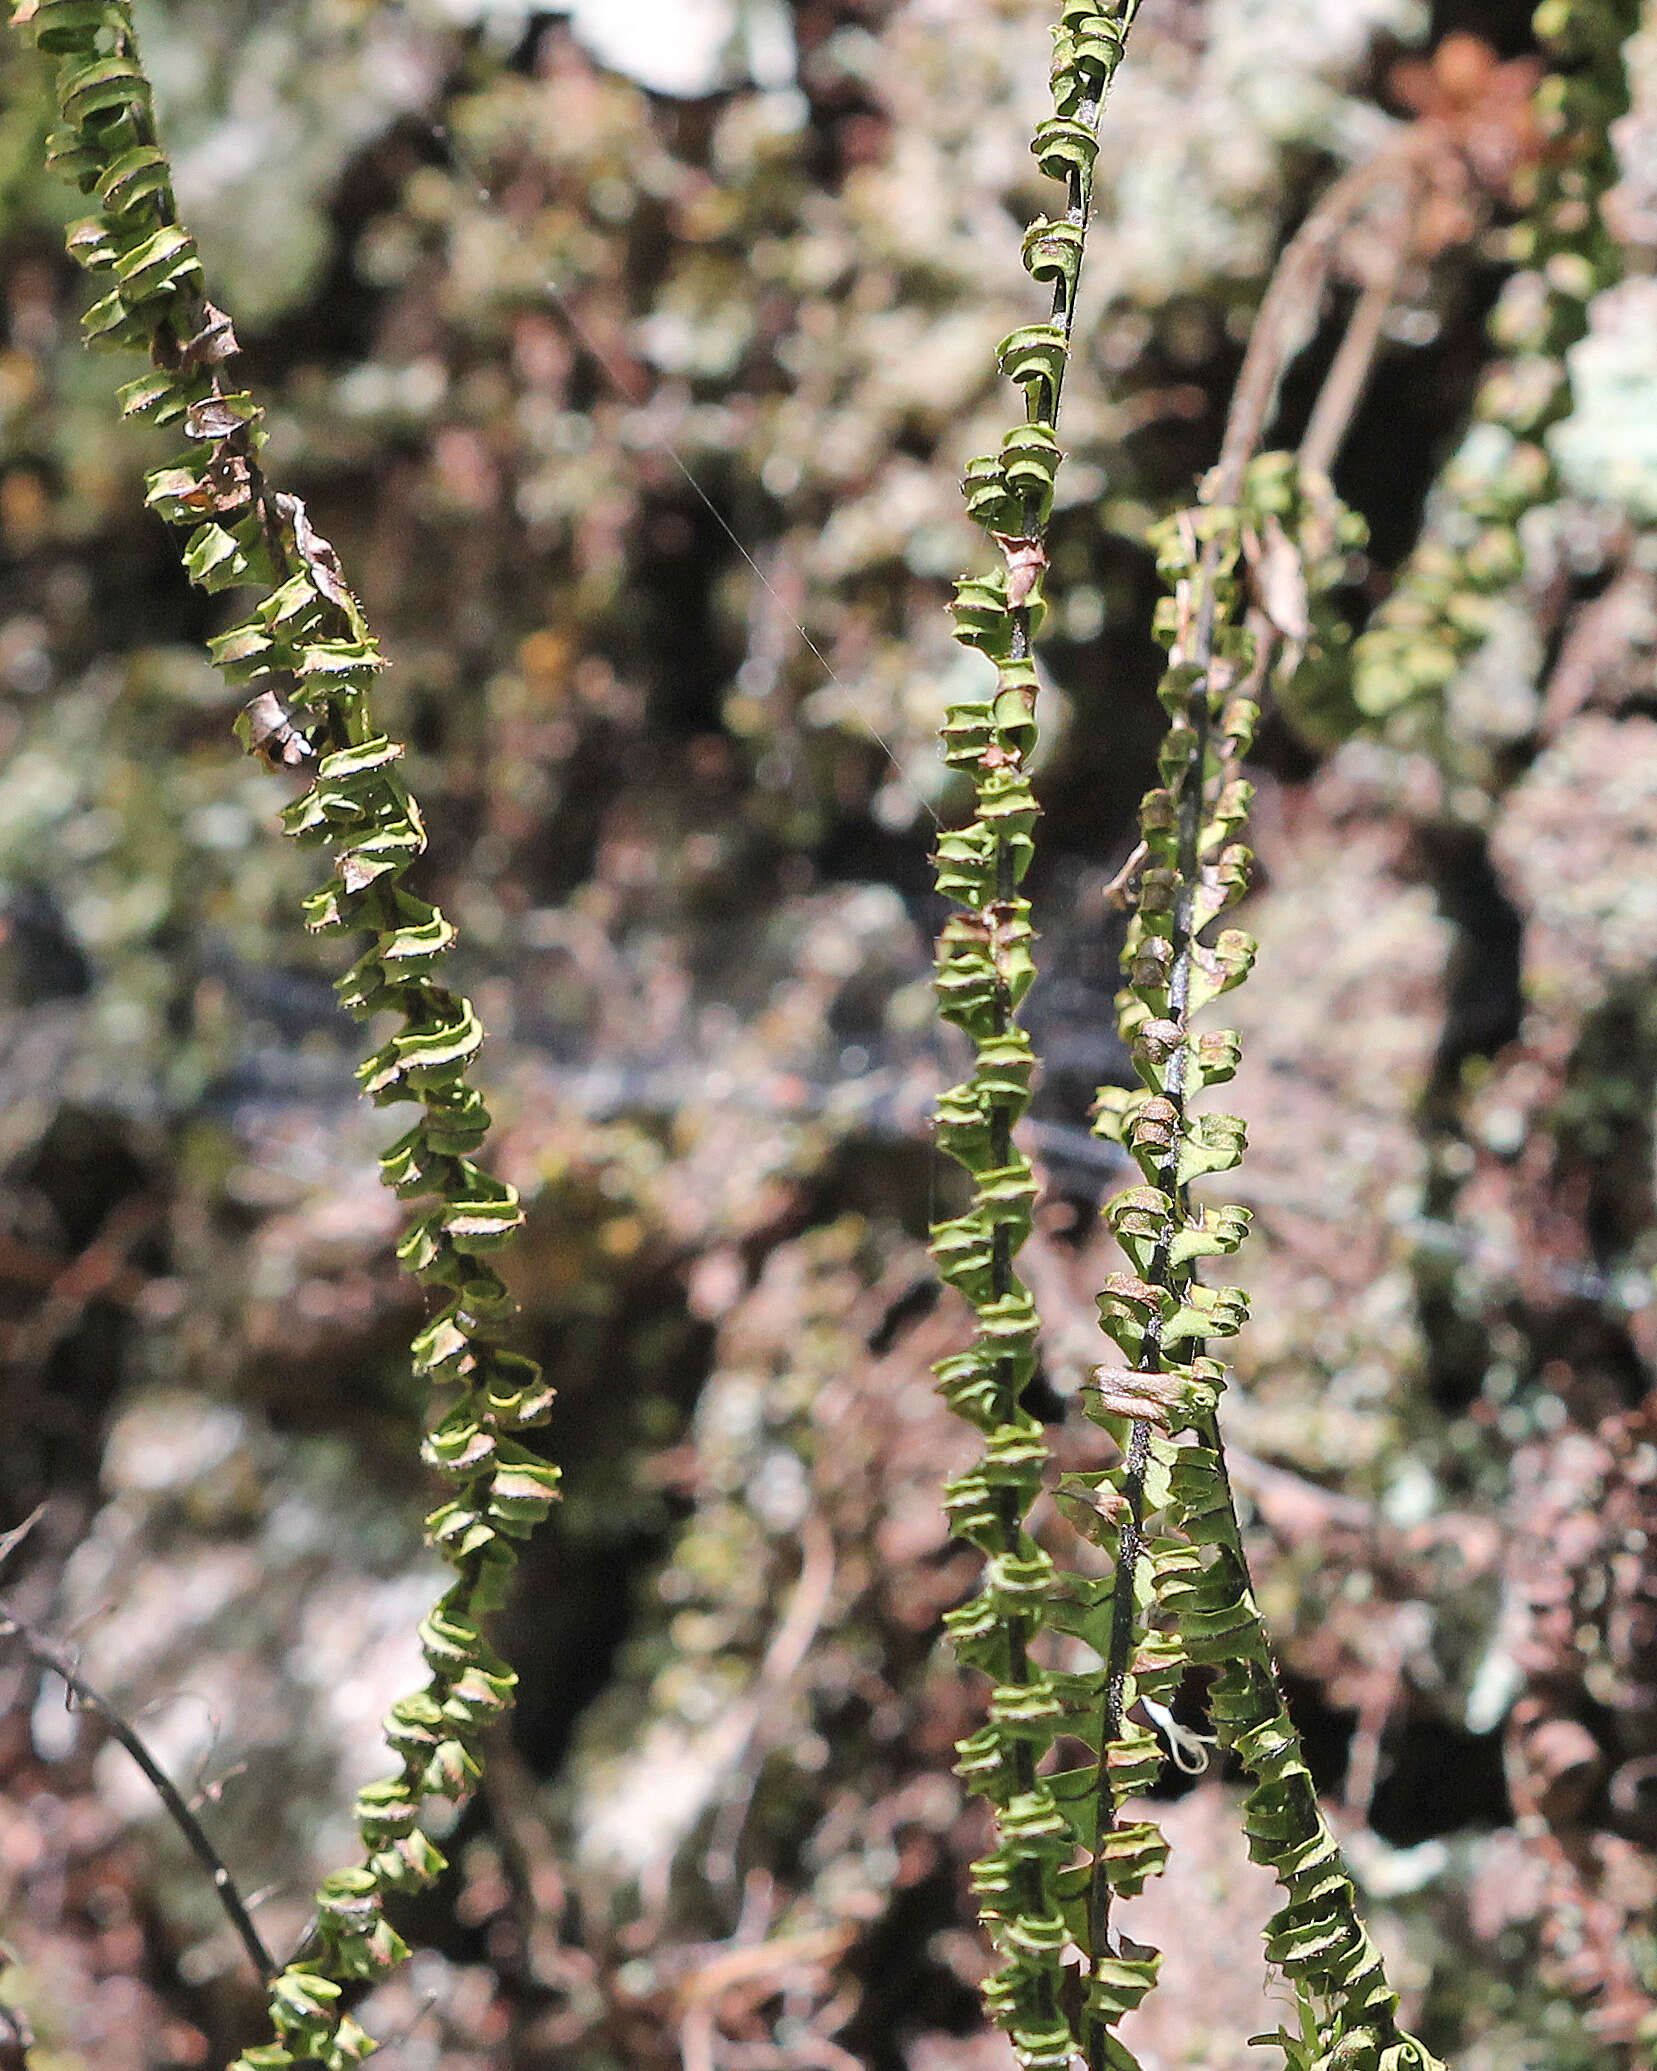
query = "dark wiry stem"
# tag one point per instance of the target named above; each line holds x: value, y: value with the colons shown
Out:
x: 46, y: 1653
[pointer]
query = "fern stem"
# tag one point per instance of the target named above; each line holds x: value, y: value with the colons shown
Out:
x: 984, y: 970
x: 1162, y: 1406
x: 308, y: 658
x: 1439, y: 609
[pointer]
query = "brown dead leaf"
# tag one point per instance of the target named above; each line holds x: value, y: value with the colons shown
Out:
x: 1026, y: 558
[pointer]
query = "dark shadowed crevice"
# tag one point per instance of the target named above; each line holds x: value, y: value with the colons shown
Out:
x: 1484, y: 997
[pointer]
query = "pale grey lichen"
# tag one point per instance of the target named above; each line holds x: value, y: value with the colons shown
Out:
x: 1606, y: 450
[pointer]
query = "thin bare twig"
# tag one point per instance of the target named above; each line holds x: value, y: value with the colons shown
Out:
x: 12, y: 1540
x: 1599, y: 639
x: 1348, y: 376
x: 102, y: 1271
x: 784, y: 1657
x: 1288, y: 315
x: 48, y: 1654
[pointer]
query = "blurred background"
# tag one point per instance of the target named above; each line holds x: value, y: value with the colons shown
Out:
x: 630, y: 356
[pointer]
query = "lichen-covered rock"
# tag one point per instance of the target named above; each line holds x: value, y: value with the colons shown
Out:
x: 781, y: 1703
x: 1607, y: 447
x: 251, y: 1600
x: 1564, y: 842
x: 1340, y: 1029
